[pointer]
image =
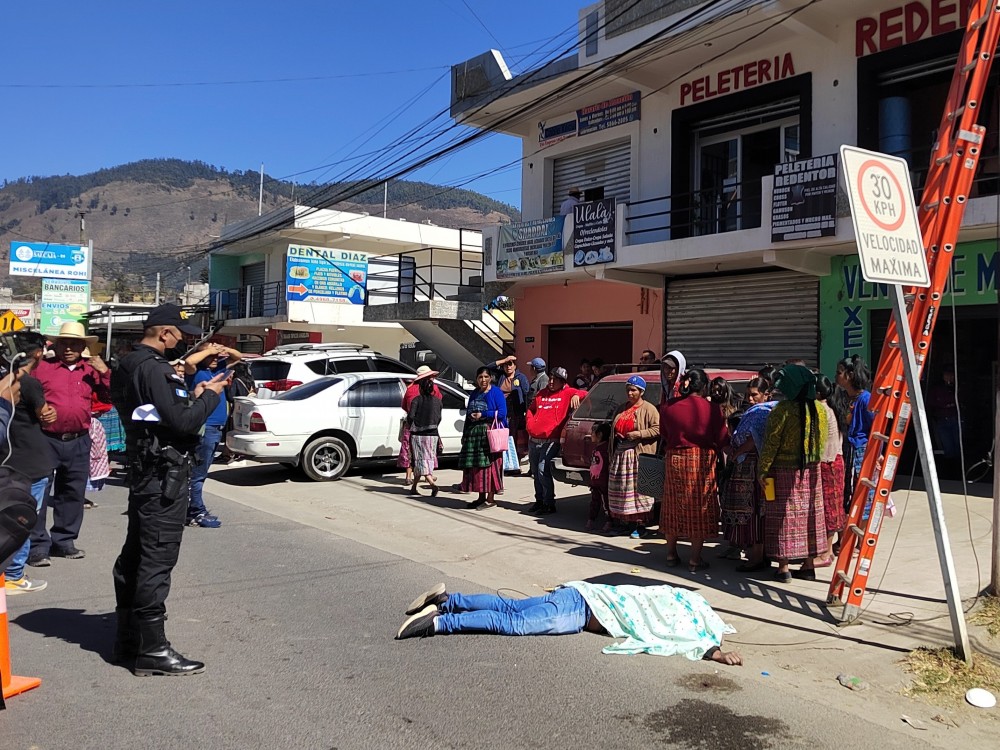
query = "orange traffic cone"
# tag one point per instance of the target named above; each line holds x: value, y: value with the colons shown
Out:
x: 12, y: 685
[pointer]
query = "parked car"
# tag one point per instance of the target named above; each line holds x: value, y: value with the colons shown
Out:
x: 573, y: 463
x: 326, y: 425
x: 289, y: 366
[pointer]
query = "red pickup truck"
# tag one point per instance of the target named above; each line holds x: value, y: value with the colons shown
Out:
x: 573, y: 464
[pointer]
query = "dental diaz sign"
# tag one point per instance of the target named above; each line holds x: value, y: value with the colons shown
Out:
x: 885, y: 218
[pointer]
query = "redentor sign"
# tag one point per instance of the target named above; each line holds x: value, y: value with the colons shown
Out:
x: 907, y: 24
x: 741, y: 77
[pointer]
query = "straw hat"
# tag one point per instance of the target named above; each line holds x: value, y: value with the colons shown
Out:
x: 424, y: 372
x: 75, y: 331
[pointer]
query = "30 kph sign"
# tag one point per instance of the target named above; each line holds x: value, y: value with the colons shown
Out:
x: 885, y: 218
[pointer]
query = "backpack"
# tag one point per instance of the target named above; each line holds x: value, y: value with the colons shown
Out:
x: 17, y: 513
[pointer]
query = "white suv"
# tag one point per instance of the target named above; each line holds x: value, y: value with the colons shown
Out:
x: 288, y: 366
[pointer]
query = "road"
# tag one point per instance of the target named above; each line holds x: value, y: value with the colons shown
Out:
x: 296, y: 624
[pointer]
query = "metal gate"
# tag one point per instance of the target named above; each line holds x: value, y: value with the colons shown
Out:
x: 608, y: 166
x: 744, y: 320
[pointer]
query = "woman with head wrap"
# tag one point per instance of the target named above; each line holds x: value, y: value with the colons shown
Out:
x: 796, y: 431
x: 693, y: 432
x: 854, y: 379
x: 673, y: 365
x: 635, y: 430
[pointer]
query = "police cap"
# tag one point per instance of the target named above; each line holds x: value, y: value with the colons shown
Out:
x: 171, y: 315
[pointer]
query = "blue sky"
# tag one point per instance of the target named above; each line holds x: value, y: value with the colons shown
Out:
x: 62, y: 117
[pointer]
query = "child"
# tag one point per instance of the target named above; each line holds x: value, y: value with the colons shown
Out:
x: 600, y: 434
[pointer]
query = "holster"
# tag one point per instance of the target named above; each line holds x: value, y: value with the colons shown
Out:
x: 169, y: 466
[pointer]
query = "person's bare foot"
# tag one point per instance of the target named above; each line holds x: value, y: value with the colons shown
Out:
x: 729, y: 658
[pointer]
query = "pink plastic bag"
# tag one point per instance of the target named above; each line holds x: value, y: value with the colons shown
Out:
x: 498, y: 436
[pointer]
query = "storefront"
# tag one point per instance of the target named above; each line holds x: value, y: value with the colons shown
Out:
x: 744, y: 320
x: 854, y: 317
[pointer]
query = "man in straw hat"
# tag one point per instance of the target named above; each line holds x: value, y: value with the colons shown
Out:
x: 70, y: 381
x: 162, y: 421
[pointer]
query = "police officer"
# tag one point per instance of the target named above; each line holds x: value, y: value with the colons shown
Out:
x: 160, y: 449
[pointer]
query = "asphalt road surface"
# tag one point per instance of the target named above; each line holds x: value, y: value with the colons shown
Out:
x: 296, y: 626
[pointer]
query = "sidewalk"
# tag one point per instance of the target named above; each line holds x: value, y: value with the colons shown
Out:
x: 783, y: 629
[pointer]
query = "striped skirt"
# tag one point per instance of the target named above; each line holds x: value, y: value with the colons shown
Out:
x: 690, y: 494
x: 485, y: 480
x: 742, y: 505
x: 404, y: 460
x: 795, y: 527
x: 623, y: 494
x: 423, y: 454
x: 832, y: 473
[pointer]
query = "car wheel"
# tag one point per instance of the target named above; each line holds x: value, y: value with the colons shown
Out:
x: 325, y: 459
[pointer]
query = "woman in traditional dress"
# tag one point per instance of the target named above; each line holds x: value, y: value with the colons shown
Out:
x: 831, y: 467
x: 741, y: 498
x: 693, y: 432
x: 635, y: 430
x: 795, y: 527
x: 404, y: 460
x: 854, y: 378
x: 482, y: 468
x: 672, y: 368
x: 422, y: 422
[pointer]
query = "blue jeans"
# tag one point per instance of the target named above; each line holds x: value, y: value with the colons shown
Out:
x: 540, y: 457
x: 561, y: 612
x: 205, y: 454
x: 15, y: 571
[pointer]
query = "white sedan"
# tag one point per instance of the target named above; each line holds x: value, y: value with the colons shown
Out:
x: 324, y: 425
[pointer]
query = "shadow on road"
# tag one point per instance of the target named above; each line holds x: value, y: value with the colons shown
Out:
x: 91, y: 632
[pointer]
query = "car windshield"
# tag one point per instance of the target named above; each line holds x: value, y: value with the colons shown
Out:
x: 269, y: 369
x: 605, y: 397
x: 302, y: 392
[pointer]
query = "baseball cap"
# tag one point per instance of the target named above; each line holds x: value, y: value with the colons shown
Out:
x: 538, y: 363
x: 171, y: 315
x: 560, y: 372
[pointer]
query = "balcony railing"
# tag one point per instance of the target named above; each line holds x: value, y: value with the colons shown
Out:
x: 426, y: 274
x: 266, y: 300
x: 697, y: 213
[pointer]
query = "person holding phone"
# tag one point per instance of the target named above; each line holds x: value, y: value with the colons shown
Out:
x: 208, y: 361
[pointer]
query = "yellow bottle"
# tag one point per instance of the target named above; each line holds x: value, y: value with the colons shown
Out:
x: 769, y: 489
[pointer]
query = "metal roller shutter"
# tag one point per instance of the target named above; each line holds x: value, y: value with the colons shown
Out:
x: 252, y: 275
x: 745, y: 321
x: 608, y: 166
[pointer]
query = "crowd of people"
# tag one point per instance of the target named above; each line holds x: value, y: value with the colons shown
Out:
x: 773, y: 470
x: 63, y: 427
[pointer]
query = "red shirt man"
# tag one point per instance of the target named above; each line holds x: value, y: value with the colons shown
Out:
x: 546, y: 417
x: 70, y: 382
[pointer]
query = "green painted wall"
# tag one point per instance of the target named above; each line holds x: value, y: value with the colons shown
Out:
x: 224, y: 270
x: 846, y: 300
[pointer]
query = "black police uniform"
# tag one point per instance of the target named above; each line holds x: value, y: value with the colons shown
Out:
x: 160, y: 455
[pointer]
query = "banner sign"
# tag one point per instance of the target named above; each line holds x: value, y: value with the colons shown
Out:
x: 594, y: 232
x: 530, y: 248
x: 26, y: 312
x: 804, y: 201
x: 323, y: 274
x: 551, y: 134
x: 62, y: 302
x: 50, y: 261
x: 609, y: 114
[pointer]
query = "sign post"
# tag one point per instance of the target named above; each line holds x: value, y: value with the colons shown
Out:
x: 892, y: 252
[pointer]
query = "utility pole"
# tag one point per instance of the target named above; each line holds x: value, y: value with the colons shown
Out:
x: 83, y: 226
x: 156, y: 299
x: 260, y: 195
x: 385, y: 199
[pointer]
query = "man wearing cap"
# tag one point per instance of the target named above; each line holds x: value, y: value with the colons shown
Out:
x: 162, y: 421
x: 539, y: 380
x: 70, y: 382
x: 546, y: 418
x: 573, y: 199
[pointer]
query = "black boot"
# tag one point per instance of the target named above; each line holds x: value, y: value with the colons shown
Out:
x: 127, y: 639
x: 156, y: 657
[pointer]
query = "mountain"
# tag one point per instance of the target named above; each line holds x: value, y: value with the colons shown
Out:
x: 160, y: 215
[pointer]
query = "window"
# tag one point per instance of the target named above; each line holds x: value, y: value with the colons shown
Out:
x: 450, y: 399
x: 319, y: 366
x: 372, y: 394
x: 302, y: 392
x: 605, y: 397
x: 359, y: 364
x: 384, y: 364
x: 269, y: 369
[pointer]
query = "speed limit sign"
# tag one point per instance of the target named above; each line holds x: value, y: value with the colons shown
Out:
x: 885, y: 218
